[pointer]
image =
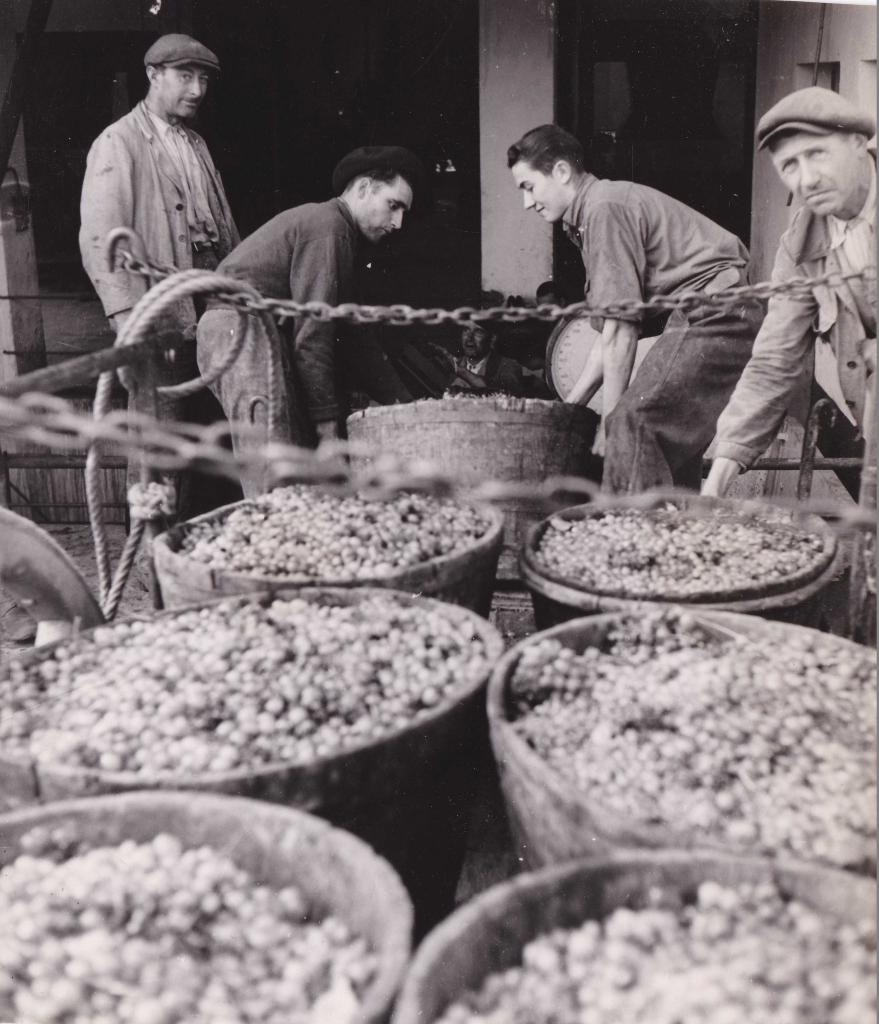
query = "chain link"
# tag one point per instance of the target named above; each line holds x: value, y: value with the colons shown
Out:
x: 343, y: 466
x: 403, y: 315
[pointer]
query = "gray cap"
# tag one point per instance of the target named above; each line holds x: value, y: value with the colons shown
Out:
x: 176, y: 49
x: 816, y: 111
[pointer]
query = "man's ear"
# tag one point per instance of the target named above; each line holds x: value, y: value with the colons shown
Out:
x: 362, y: 187
x: 562, y: 171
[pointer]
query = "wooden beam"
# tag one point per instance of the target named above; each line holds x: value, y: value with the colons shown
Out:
x: 82, y: 369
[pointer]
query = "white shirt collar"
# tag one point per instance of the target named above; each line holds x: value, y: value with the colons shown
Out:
x: 162, y: 126
x: 838, y: 227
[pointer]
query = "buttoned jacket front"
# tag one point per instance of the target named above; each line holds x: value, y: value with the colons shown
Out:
x: 131, y: 181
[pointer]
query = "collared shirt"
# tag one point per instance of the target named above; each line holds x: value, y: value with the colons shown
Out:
x: 855, y: 237
x: 202, y: 226
x: 636, y: 242
x: 855, y: 244
x: 474, y: 366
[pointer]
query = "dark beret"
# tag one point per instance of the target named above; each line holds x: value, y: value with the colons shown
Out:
x: 378, y: 158
x: 176, y: 49
x: 814, y: 110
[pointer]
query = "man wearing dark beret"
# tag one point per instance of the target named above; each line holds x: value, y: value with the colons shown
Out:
x: 307, y: 254
x: 819, y: 145
x: 151, y: 172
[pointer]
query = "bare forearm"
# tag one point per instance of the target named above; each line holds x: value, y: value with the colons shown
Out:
x: 619, y: 343
x: 589, y: 380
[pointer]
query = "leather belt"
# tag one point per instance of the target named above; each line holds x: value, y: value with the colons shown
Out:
x: 204, y: 246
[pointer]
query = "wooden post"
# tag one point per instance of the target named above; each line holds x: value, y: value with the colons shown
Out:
x: 22, y: 346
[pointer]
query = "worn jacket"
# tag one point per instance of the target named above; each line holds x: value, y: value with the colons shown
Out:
x: 307, y: 254
x: 782, y: 350
x: 130, y: 181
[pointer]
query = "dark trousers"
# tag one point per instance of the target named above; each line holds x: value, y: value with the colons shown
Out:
x: 666, y: 419
x: 838, y: 438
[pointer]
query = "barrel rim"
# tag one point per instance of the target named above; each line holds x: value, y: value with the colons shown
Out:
x: 606, y: 820
x: 166, y: 552
x: 502, y: 403
x: 531, y: 888
x: 393, y: 957
x: 130, y: 781
x: 787, y: 590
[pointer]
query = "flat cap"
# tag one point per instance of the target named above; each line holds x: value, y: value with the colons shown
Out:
x: 814, y: 110
x: 378, y: 158
x: 175, y: 49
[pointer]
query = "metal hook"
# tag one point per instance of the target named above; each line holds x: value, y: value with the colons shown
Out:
x: 119, y: 235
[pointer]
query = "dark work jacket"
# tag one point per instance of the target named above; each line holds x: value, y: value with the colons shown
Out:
x: 306, y: 254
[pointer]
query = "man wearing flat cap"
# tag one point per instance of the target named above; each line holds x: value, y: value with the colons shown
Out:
x: 819, y: 145
x: 151, y: 172
x: 307, y: 254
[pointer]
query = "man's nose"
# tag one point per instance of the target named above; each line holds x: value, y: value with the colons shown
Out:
x: 197, y: 88
x: 528, y: 200
x: 810, y: 175
x: 397, y: 220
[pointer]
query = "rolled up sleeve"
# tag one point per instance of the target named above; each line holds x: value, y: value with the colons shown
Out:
x: 614, y: 258
x: 760, y: 401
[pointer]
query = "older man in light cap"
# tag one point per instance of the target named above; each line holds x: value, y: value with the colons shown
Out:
x: 819, y: 145
x: 151, y: 172
x: 307, y: 254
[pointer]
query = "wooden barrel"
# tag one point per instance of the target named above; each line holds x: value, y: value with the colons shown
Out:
x: 554, y: 820
x: 336, y: 873
x: 407, y: 793
x: 478, y: 439
x: 489, y: 933
x: 466, y: 578
x: 794, y: 600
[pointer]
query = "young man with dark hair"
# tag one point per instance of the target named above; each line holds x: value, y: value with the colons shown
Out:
x: 307, y: 254
x: 819, y: 145
x: 637, y: 243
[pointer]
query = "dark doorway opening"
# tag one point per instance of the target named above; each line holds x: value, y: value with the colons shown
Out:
x: 662, y: 93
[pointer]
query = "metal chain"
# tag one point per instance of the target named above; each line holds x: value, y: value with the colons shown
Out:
x: 343, y: 466
x: 402, y: 315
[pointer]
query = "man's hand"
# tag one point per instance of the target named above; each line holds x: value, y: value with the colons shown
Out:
x: 327, y: 431
x: 720, y: 477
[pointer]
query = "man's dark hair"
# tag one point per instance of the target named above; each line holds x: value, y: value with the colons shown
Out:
x: 543, y: 146
x: 385, y: 173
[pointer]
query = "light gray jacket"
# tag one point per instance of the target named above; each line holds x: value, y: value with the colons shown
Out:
x: 130, y: 181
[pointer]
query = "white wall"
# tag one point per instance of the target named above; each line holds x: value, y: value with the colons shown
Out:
x: 516, y: 92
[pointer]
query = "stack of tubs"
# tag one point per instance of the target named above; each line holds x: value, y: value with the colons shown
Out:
x: 407, y: 792
x: 522, y: 440
x: 590, y: 859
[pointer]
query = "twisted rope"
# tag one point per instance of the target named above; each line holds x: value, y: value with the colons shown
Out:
x: 168, y: 292
x: 146, y: 502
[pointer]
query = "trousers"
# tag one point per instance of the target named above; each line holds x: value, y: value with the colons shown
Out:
x: 666, y: 419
